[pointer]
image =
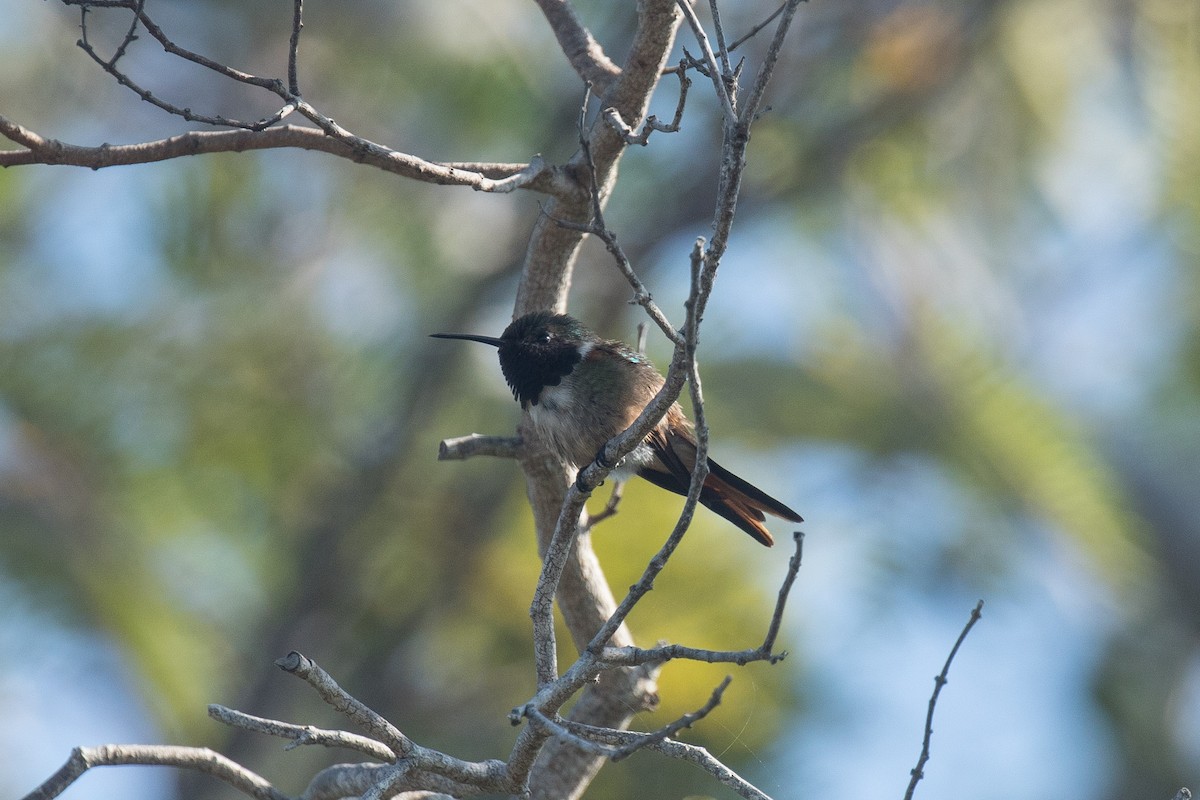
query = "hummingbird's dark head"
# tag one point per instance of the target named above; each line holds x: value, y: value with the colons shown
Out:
x: 536, y: 351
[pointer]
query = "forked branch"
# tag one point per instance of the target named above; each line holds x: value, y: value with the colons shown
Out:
x: 258, y: 134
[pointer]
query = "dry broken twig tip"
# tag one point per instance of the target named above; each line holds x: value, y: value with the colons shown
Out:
x: 478, y: 444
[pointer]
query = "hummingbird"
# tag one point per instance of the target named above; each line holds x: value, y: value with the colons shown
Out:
x: 581, y: 390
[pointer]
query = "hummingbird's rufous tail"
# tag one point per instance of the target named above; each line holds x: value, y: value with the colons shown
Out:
x: 734, y: 498
x: 742, y: 503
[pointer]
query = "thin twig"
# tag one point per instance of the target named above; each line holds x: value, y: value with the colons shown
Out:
x: 672, y: 748
x: 480, y: 176
x: 301, y: 734
x: 785, y: 589
x: 632, y: 744
x: 722, y: 51
x: 169, y: 45
x: 436, y: 769
x: 610, y: 507
x: 641, y: 295
x: 684, y: 721
x: 200, y: 759
x: 754, y: 31
x: 752, y: 101
x: 631, y: 656
x: 303, y: 667
x: 140, y: 16
x: 710, y: 60
x: 567, y: 525
x: 918, y: 771
x: 683, y: 365
x: 294, y: 47
x: 599, y: 228
x: 335, y: 138
x: 688, y: 62
x: 652, y: 123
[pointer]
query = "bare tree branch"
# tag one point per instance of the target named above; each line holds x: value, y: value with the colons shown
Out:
x: 200, y: 759
x: 476, y: 444
x: 750, y: 34
x: 109, y: 65
x: 712, y: 765
x: 305, y: 668
x: 599, y: 228
x: 546, y: 277
x: 939, y: 681
x: 294, y: 46
x: 263, y: 133
x: 584, y: 596
x: 490, y: 775
x: 357, y: 780
x: 752, y: 102
x: 578, y: 45
x: 301, y: 734
x: 613, y: 117
x: 597, y: 659
x: 715, y: 11
x: 556, y: 725
x: 663, y: 653
x: 682, y: 751
x: 710, y: 60
x: 484, y: 177
x: 406, y: 778
x: 564, y: 534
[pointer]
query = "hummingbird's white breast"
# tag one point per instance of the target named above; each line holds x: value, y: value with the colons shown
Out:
x: 566, y: 419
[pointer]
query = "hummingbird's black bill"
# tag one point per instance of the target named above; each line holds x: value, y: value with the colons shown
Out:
x: 470, y: 337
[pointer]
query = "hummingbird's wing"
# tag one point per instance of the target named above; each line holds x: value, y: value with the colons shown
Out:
x: 734, y: 498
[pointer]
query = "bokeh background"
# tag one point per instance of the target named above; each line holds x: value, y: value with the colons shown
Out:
x: 957, y: 330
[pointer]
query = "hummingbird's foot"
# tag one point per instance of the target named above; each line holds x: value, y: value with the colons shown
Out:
x: 598, y: 459
x: 601, y: 460
x: 582, y: 486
